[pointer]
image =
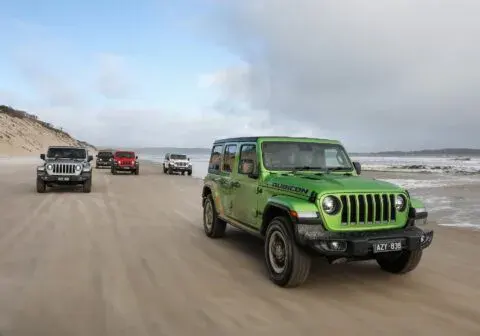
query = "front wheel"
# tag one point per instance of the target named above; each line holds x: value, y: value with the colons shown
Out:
x: 114, y: 171
x: 400, y: 262
x: 164, y: 169
x: 87, y: 186
x: 189, y: 173
x: 213, y: 226
x: 288, y: 265
x: 137, y: 171
x: 41, y: 187
x: 170, y: 170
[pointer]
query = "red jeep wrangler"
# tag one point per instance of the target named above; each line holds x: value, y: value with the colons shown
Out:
x: 125, y: 161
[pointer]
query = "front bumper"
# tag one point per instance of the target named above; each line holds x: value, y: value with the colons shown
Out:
x: 129, y: 168
x: 360, y: 244
x: 65, y: 179
x: 180, y: 168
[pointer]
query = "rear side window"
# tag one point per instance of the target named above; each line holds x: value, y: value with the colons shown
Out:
x: 215, y: 159
x: 229, y: 158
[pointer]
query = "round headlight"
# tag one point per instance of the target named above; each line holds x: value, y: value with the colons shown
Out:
x: 78, y: 167
x: 49, y: 167
x: 330, y: 205
x: 400, y: 202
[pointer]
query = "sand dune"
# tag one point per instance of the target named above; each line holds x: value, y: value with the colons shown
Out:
x: 21, y: 136
x: 131, y: 258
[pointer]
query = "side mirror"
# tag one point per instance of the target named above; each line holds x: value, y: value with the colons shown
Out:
x: 136, y: 157
x: 96, y: 155
x: 42, y: 156
x: 358, y: 167
x: 90, y: 158
x: 188, y: 159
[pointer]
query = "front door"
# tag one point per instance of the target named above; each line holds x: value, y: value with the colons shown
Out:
x: 245, y: 197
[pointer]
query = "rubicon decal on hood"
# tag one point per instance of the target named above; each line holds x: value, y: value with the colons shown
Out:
x: 288, y: 187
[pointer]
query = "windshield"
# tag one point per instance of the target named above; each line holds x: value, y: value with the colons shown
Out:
x: 66, y: 153
x: 105, y: 154
x: 178, y: 157
x: 128, y: 155
x: 305, y: 156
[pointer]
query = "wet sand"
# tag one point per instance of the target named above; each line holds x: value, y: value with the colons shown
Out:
x: 131, y: 259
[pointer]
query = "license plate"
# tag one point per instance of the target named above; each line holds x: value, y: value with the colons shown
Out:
x: 387, y: 246
x: 64, y: 178
x: 126, y: 167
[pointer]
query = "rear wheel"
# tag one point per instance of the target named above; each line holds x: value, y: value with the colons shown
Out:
x: 137, y: 171
x: 213, y: 226
x: 400, y: 262
x: 287, y: 263
x: 41, y: 187
x: 164, y: 169
x: 87, y: 186
x: 114, y: 171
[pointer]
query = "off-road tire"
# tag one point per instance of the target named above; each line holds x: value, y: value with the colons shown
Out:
x: 297, y: 263
x: 87, y: 186
x: 400, y: 263
x: 183, y: 173
x: 189, y: 173
x: 218, y: 226
x: 170, y: 171
x: 41, y: 186
x: 137, y: 171
x: 164, y: 169
x: 114, y: 171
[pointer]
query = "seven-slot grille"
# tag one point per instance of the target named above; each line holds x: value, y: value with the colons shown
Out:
x: 63, y: 168
x: 368, y: 209
x: 182, y: 164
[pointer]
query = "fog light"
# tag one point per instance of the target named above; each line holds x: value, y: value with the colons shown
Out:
x: 337, y: 245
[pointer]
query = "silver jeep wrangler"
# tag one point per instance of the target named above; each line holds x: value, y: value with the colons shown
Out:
x: 65, y: 165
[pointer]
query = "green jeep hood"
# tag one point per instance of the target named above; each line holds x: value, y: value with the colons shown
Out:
x: 305, y: 183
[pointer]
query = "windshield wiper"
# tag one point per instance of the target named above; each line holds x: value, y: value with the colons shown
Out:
x: 297, y: 169
x: 333, y: 169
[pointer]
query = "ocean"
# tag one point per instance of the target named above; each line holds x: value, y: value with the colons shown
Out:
x: 441, y: 165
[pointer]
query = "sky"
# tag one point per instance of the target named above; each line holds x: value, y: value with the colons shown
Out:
x: 377, y: 75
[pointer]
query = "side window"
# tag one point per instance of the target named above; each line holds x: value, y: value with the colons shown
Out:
x: 248, y: 159
x: 215, y: 158
x: 229, y: 158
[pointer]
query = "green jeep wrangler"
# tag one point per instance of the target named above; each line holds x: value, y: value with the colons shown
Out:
x: 305, y: 197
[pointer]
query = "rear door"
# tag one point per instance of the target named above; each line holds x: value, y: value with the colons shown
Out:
x: 245, y: 203
x: 228, y: 172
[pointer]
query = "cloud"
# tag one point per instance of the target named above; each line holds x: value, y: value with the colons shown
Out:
x: 113, y: 79
x: 377, y: 74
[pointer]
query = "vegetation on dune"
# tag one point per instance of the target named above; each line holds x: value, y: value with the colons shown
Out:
x: 14, y: 113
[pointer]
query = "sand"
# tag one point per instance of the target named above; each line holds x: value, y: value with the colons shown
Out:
x: 25, y: 137
x: 131, y: 258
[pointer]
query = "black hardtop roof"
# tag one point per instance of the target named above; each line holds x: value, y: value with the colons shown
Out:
x: 255, y: 138
x: 74, y: 147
